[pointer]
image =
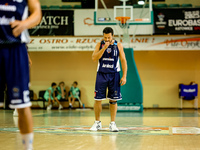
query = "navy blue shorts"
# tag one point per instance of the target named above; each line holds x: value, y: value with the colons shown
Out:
x: 110, y: 81
x: 14, y: 72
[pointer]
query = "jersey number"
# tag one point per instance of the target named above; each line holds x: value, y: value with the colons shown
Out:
x: 115, y: 52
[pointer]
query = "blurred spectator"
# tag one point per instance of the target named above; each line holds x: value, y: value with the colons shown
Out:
x: 74, y: 94
x: 61, y: 93
x: 49, y: 95
x: 192, y: 83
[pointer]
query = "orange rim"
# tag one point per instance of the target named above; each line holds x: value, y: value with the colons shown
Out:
x: 122, y: 19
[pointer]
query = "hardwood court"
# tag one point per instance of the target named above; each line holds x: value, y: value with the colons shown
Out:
x: 68, y: 130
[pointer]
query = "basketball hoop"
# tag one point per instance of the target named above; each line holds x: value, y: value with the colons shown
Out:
x: 122, y: 19
x: 124, y: 25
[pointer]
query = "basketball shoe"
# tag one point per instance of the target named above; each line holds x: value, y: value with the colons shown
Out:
x: 96, y: 126
x: 49, y: 107
x: 113, y: 127
x: 60, y: 107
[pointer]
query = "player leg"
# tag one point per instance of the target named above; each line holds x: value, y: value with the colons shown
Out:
x: 114, y: 95
x: 100, y: 94
x: 49, y: 105
x: 2, y: 79
x: 2, y: 91
x: 17, y: 78
x: 52, y: 101
x: 113, y: 110
x: 70, y: 101
x: 97, y: 110
x: 73, y: 100
x: 59, y: 104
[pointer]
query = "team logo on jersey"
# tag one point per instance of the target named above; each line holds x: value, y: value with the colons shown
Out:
x: 115, y: 47
x: 16, y: 92
x: 19, y: 1
x: 109, y: 50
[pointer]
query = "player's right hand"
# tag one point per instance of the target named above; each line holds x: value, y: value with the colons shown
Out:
x: 106, y: 44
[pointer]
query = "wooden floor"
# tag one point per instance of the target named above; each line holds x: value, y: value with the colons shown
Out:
x: 68, y: 130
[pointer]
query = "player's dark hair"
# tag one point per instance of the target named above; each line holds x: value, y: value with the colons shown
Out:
x: 53, y: 84
x: 108, y: 30
x: 75, y: 82
x: 61, y: 83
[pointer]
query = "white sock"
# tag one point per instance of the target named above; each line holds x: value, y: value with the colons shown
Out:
x: 27, y: 141
x: 70, y: 104
x: 112, y: 121
x: 97, y: 121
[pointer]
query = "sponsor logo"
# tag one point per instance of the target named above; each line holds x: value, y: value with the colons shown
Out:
x: 128, y: 108
x: 8, y: 8
x: 108, y: 59
x: 88, y: 21
x: 19, y: 1
x: 109, y: 50
x: 189, y: 90
x: 95, y: 93
x: 107, y: 66
x: 185, y: 42
x: 191, y: 19
x: 54, y: 20
x: 16, y: 92
x: 161, y: 24
x: 26, y: 96
x: 6, y: 21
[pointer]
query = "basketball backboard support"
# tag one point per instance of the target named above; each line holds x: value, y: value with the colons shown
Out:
x: 138, y: 16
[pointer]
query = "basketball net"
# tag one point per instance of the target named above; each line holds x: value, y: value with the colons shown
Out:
x: 124, y: 25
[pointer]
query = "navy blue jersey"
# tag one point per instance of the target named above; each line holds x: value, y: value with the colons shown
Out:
x: 109, y: 62
x: 11, y: 10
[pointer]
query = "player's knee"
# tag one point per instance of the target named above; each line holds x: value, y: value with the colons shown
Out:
x: 98, y: 102
x: 22, y: 111
x: 113, y: 102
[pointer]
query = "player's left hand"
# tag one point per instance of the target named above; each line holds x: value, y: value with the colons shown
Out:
x: 123, y: 81
x: 18, y: 27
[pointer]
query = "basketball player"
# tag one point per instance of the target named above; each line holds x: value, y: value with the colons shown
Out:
x: 14, y: 66
x: 108, y: 52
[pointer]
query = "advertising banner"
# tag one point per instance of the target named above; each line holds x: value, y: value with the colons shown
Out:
x: 140, y: 43
x: 55, y: 22
x: 177, y: 21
